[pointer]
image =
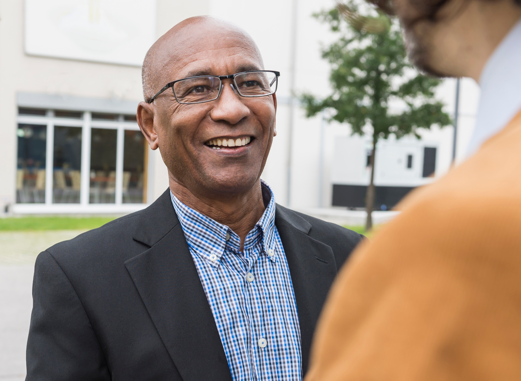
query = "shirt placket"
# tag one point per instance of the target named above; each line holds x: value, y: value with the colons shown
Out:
x: 258, y: 341
x: 242, y: 268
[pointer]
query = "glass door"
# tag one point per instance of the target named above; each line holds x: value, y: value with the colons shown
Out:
x: 134, y: 164
x: 103, y: 150
x: 67, y: 165
x: 30, y: 166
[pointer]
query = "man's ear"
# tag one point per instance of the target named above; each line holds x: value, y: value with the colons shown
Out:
x: 275, y: 104
x: 145, y: 119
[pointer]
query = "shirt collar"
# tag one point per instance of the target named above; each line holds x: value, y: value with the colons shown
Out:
x: 500, y: 82
x: 267, y: 221
x: 208, y: 238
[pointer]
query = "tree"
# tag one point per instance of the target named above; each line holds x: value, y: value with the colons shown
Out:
x: 369, y: 70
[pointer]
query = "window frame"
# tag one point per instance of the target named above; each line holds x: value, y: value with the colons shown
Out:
x: 86, y: 124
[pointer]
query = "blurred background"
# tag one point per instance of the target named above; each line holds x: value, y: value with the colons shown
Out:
x: 70, y: 82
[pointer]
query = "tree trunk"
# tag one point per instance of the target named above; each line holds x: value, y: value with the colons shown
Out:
x: 370, y: 195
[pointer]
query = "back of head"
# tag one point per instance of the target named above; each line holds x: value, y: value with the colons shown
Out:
x: 453, y: 38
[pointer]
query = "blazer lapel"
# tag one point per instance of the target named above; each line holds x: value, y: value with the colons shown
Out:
x: 313, y: 268
x: 167, y: 281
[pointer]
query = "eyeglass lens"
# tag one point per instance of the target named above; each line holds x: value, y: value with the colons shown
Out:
x: 206, y: 88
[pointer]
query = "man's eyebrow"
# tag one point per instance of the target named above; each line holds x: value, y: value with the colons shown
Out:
x: 194, y: 73
x: 247, y: 68
x: 208, y: 71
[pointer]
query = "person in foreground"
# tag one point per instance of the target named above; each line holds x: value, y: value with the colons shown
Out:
x: 213, y: 281
x: 436, y: 295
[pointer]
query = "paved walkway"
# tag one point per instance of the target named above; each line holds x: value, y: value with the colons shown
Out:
x: 18, y: 250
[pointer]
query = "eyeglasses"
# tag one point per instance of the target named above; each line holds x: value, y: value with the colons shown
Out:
x: 207, y: 88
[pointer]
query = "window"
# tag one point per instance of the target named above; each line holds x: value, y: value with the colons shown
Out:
x: 81, y: 158
x: 31, y: 111
x: 66, y: 165
x: 68, y: 114
x: 429, y: 161
x: 130, y: 118
x: 103, y: 149
x: 134, y: 167
x: 31, y: 163
x: 409, y: 161
x: 368, y: 154
x: 104, y: 116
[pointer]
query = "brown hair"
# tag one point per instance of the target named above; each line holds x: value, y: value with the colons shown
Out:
x: 428, y: 8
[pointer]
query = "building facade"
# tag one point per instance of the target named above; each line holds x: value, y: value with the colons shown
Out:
x: 70, y: 82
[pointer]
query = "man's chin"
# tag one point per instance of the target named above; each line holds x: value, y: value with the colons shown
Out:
x: 422, y: 63
x: 419, y: 53
x: 233, y: 185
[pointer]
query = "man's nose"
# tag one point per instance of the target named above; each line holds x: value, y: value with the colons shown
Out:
x: 229, y: 107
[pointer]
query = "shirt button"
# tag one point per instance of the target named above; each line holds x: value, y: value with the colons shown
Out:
x: 262, y: 343
x: 213, y: 257
x: 227, y: 236
x: 271, y: 252
x: 249, y: 277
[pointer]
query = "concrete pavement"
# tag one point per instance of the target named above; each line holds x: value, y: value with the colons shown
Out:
x: 18, y: 251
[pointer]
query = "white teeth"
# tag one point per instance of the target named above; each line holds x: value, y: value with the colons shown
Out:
x: 239, y: 142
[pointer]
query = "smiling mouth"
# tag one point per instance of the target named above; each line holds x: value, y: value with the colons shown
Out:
x: 228, y: 142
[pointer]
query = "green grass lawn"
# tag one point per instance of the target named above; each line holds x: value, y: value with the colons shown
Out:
x: 358, y: 229
x: 52, y: 223
x: 361, y: 230
x: 73, y: 223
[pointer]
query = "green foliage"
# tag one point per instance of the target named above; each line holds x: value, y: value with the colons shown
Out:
x: 369, y: 70
x: 52, y: 223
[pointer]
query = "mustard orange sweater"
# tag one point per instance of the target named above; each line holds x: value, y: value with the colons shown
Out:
x: 437, y: 294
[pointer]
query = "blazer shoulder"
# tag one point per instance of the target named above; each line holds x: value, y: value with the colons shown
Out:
x: 111, y: 237
x: 341, y: 240
x: 124, y: 236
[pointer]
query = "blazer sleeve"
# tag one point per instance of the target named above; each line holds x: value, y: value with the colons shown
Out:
x: 62, y: 344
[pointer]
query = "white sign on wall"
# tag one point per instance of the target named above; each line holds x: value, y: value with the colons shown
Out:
x: 113, y: 31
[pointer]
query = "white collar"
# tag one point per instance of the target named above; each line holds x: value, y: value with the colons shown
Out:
x: 500, y: 84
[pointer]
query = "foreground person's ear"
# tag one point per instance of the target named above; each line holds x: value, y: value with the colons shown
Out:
x: 145, y: 120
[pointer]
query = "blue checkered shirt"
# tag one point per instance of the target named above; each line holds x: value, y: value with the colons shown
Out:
x: 250, y: 293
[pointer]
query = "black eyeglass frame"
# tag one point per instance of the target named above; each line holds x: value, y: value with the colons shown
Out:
x: 221, y: 77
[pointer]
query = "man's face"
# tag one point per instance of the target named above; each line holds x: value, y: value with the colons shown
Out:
x: 188, y: 133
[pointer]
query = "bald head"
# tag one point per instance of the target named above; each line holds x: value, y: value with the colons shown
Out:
x: 181, y: 45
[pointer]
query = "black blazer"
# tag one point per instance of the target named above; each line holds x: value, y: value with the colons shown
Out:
x: 124, y: 302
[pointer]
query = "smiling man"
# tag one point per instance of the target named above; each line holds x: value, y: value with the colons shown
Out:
x: 214, y: 281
